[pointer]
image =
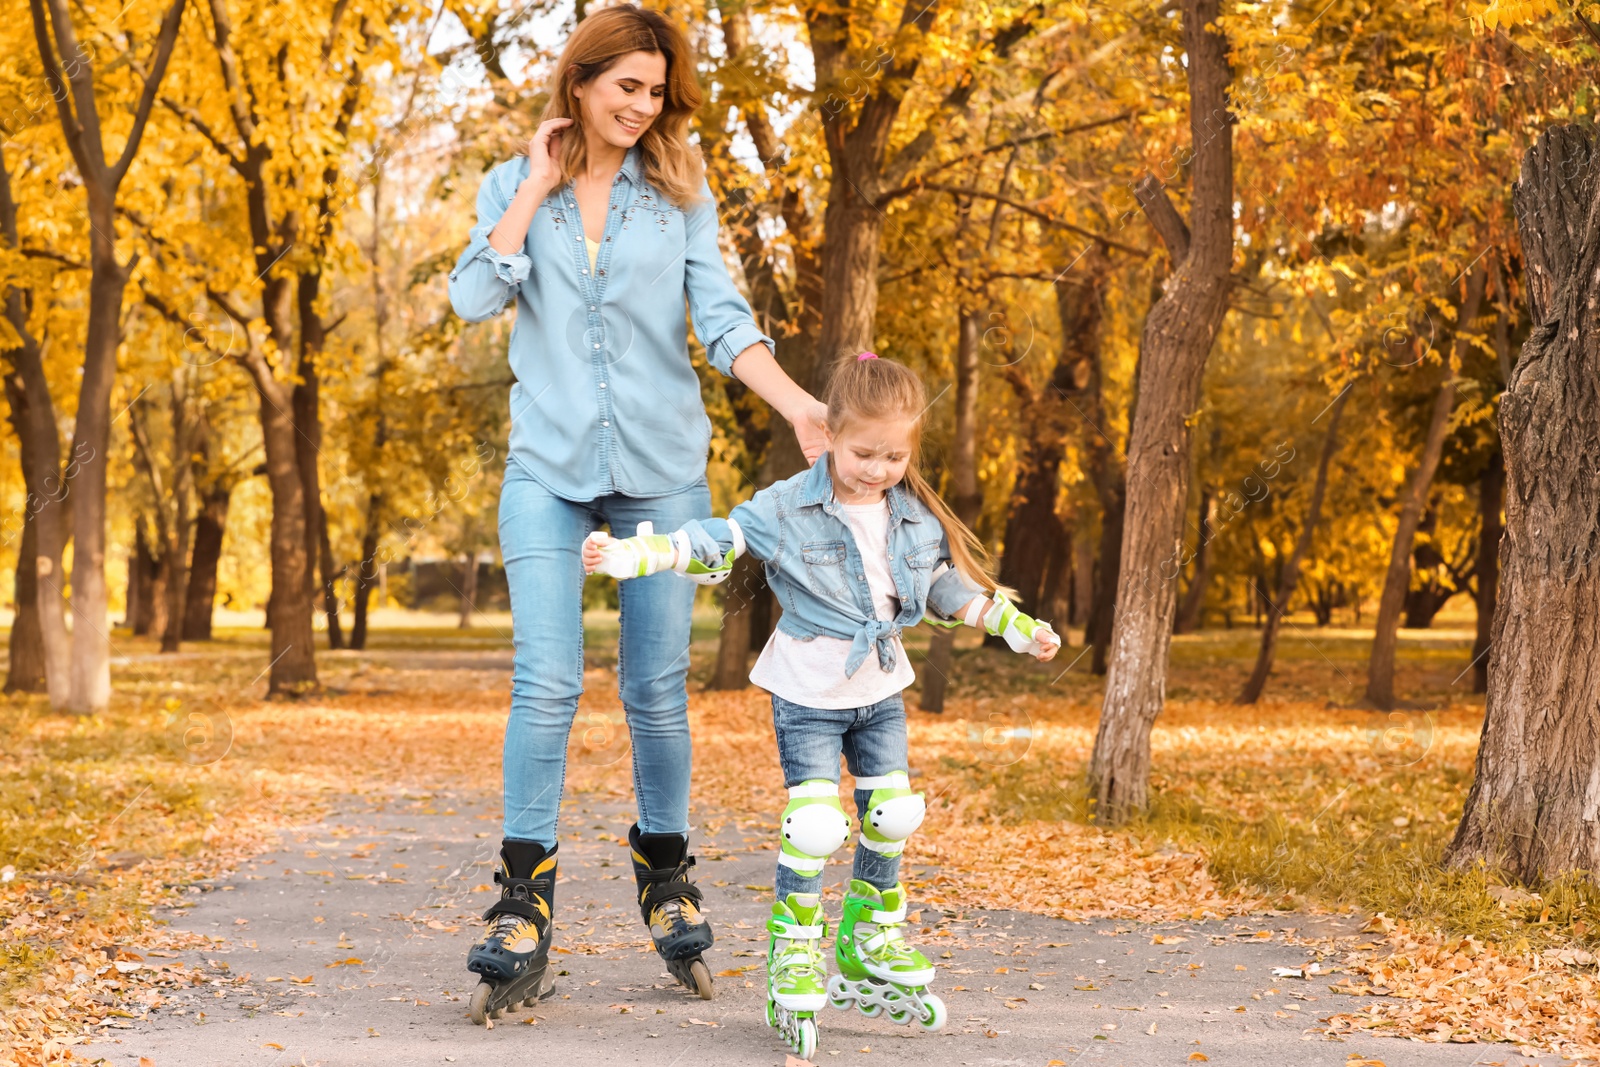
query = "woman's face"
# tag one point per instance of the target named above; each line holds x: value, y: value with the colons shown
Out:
x: 620, y: 103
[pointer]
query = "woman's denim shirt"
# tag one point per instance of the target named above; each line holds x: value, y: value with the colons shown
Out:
x: 796, y: 527
x: 605, y: 399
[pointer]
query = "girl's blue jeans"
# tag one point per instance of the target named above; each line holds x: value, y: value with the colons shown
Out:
x: 873, y: 741
x: 541, y: 536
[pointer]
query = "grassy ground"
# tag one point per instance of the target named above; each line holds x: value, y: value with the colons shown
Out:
x: 1305, y: 800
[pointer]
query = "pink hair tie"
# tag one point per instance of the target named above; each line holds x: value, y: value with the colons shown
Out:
x: 863, y: 357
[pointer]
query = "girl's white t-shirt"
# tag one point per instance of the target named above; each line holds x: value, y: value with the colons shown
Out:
x: 810, y: 672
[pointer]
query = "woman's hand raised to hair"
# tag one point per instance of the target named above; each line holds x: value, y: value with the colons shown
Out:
x: 544, y: 156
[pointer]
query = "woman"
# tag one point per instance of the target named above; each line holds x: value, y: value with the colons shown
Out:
x: 601, y: 233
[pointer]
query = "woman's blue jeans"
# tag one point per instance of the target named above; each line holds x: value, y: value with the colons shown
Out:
x: 541, y: 536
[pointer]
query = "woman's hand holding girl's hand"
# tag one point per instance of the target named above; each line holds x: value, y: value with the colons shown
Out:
x: 544, y: 156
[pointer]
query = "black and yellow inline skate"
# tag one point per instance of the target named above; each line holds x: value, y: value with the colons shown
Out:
x: 513, y: 958
x: 670, y: 905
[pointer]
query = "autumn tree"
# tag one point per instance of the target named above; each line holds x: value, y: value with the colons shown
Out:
x: 1530, y: 809
x: 79, y: 105
x: 1177, y: 338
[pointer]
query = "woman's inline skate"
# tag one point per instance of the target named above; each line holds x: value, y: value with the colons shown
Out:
x: 670, y: 905
x: 878, y: 970
x: 512, y: 960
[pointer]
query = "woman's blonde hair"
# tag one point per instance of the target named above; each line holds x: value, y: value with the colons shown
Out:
x: 671, y: 164
x: 876, y: 388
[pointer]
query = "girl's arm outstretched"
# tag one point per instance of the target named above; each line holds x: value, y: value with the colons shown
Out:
x: 954, y: 600
x: 702, y: 550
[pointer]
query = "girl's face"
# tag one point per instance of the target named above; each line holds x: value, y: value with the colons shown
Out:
x: 868, y: 456
x: 620, y: 103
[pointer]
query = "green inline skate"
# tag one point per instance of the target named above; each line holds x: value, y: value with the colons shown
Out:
x: 796, y: 971
x: 878, y: 970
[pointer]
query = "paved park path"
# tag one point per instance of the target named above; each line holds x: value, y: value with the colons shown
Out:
x: 346, y: 946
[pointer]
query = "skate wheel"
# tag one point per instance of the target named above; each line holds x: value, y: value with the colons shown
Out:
x: 806, y: 1039
x: 899, y: 1017
x: 934, y: 1015
x: 700, y: 979
x: 496, y: 1013
x: 871, y: 1011
x: 479, y: 1003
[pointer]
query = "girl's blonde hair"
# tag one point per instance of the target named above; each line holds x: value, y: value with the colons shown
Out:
x: 876, y: 388
x: 671, y: 164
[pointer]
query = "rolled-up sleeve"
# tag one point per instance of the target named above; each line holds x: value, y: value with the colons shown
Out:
x: 757, y: 519
x: 485, y: 280
x: 721, y: 316
x: 950, y: 591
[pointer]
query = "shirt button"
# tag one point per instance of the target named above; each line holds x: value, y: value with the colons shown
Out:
x: 591, y: 307
x: 604, y: 423
x: 585, y: 270
x: 597, y: 348
x: 602, y: 385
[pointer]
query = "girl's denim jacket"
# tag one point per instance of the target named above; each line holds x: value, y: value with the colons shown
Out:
x: 811, y: 560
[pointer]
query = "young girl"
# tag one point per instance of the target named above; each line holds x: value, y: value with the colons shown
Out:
x: 857, y: 549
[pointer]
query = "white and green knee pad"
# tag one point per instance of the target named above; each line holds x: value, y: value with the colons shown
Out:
x: 893, y: 812
x: 814, y: 826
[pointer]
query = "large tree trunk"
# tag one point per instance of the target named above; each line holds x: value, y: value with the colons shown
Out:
x: 1397, y: 580
x: 1531, y: 812
x: 1491, y: 496
x: 967, y: 500
x: 25, y: 671
x: 293, y: 665
x: 1194, y: 598
x: 1178, y: 335
x: 147, y: 584
x: 308, y: 441
x: 33, y: 415
x: 209, y: 526
x: 739, y: 595
x: 1291, y: 571
x: 1082, y: 387
x: 469, y: 591
x: 1038, y: 558
x: 179, y: 525
x: 91, y: 437
x: 70, y: 74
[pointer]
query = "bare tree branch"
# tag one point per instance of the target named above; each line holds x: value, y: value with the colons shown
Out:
x: 1034, y: 212
x: 1163, y: 217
